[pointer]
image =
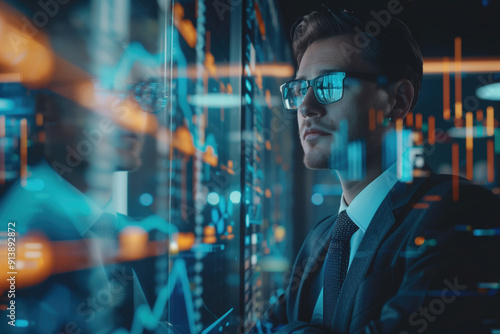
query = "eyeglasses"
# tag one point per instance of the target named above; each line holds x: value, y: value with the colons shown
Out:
x: 150, y: 95
x: 328, y: 88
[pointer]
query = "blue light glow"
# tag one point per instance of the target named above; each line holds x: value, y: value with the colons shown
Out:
x: 235, y: 197
x: 6, y: 104
x: 34, y: 185
x: 486, y: 232
x: 489, y: 92
x: 146, y: 199
x: 317, y: 199
x: 22, y: 323
x: 215, y: 100
x: 213, y: 198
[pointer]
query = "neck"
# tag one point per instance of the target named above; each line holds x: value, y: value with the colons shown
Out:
x: 351, y: 188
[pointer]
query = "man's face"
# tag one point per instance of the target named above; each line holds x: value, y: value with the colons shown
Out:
x: 318, y: 123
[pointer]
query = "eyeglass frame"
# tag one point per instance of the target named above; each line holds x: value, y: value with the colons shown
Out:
x: 378, y: 78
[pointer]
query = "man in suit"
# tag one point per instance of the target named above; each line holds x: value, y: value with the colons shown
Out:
x: 399, y: 257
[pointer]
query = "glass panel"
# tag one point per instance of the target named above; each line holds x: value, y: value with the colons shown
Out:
x: 146, y: 163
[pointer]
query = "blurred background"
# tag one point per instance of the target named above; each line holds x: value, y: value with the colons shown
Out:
x: 171, y: 110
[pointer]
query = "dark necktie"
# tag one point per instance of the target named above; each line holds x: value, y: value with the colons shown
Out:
x: 336, y: 264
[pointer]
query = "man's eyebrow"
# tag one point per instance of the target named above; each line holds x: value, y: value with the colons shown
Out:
x: 326, y: 70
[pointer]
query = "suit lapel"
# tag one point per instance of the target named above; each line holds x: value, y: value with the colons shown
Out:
x: 311, y: 269
x: 380, y: 224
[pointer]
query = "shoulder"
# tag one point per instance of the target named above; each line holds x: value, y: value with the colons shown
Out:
x: 322, y: 227
x: 447, y: 202
x: 317, y: 236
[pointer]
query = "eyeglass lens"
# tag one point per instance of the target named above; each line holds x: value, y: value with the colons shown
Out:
x: 328, y: 89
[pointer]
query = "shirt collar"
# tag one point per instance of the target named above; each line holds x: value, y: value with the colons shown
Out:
x: 365, y: 204
x: 67, y: 199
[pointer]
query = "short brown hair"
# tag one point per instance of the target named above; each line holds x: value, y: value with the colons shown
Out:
x: 393, y: 49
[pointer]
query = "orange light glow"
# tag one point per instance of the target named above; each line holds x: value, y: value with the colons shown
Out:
x: 2, y: 153
x: 24, y: 56
x: 491, y: 160
x: 421, y: 205
x: 399, y: 125
x: 10, y: 77
x: 468, y: 65
x: 279, y: 233
x: 409, y: 119
x: 268, y: 99
x: 372, y: 120
x: 24, y: 151
x: 130, y: 116
x: 209, y: 235
x: 185, y: 241
x: 490, y: 121
x: 418, y: 121
x: 446, y: 88
x: 183, y: 141
x: 380, y: 117
x: 185, y: 27
x: 260, y: 20
x: 41, y: 137
x: 418, y: 138
x: 209, y: 156
x: 133, y: 243
x: 275, y: 70
x: 259, y: 81
x: 210, y: 64
x: 432, y: 198
x: 2, y: 126
x: 268, y: 193
x: 455, y: 171
x: 458, y: 77
x: 39, y: 119
x: 34, y: 261
x: 432, y: 130
x: 469, y: 142
x: 479, y: 115
x: 419, y: 241
x: 268, y: 145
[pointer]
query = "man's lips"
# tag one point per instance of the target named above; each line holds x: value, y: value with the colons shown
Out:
x: 130, y: 136
x: 313, y: 133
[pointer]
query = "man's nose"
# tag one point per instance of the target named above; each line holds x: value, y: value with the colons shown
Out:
x: 310, y: 106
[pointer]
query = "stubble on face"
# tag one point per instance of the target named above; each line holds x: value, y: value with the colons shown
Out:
x: 327, y: 54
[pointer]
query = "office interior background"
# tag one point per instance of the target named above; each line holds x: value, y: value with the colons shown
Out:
x: 222, y: 200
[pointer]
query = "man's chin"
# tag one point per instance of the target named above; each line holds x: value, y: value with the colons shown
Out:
x: 129, y: 164
x: 315, y: 163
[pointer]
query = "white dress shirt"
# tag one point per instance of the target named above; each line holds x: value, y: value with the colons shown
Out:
x: 361, y: 211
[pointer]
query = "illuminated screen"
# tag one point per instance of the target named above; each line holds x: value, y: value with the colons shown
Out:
x: 146, y: 165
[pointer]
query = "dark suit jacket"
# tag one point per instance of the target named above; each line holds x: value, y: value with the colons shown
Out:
x: 395, y: 284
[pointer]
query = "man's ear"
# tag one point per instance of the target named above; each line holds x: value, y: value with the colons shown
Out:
x: 403, y: 93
